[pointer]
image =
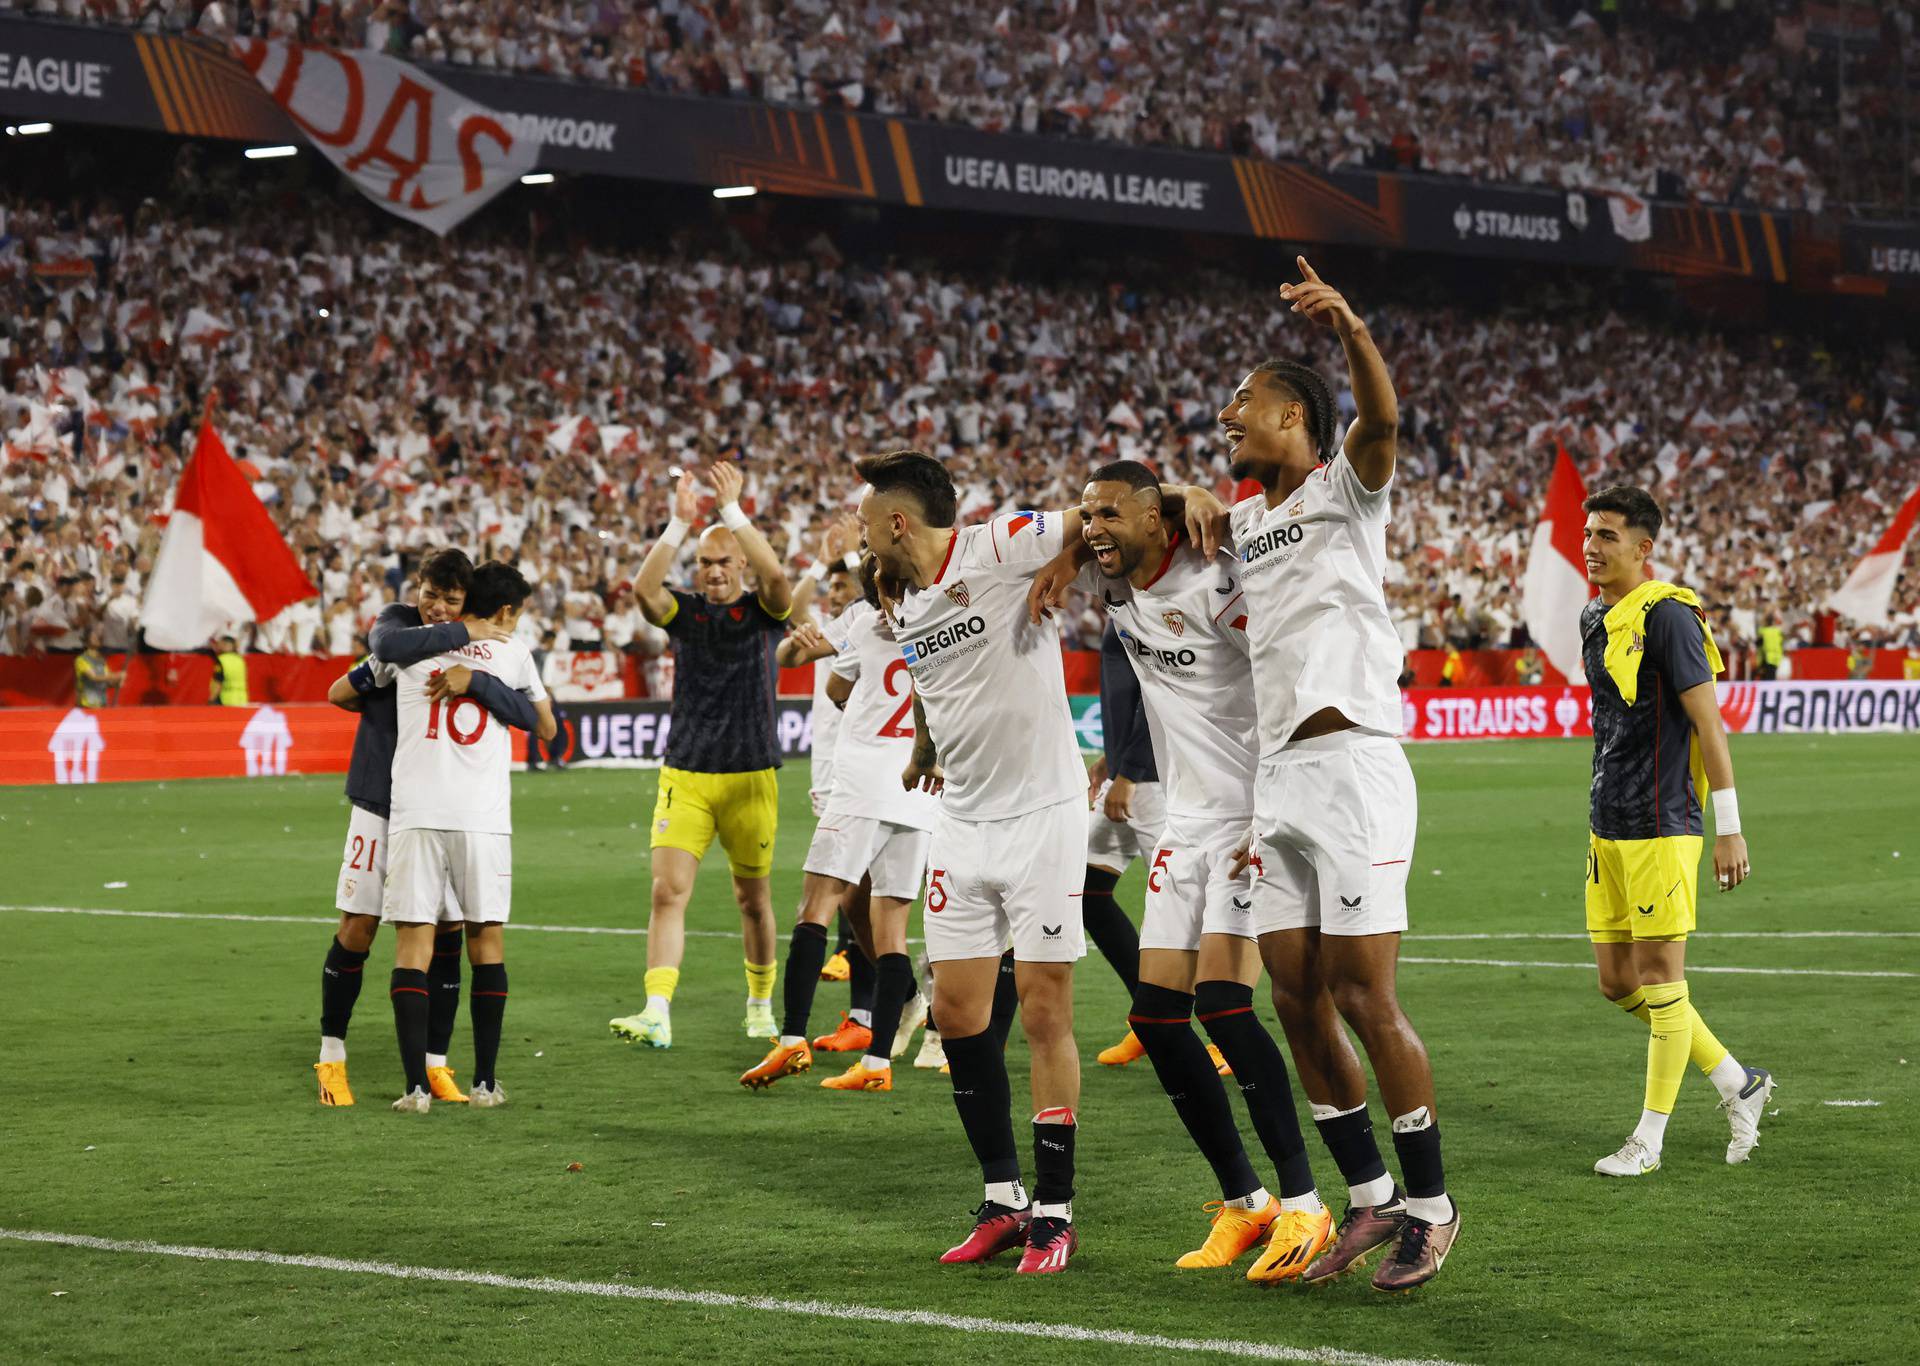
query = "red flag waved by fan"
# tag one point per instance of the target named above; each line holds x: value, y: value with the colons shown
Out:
x: 222, y: 558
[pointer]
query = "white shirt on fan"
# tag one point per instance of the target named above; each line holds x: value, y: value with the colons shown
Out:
x: 876, y: 729
x: 1185, y: 635
x: 1318, y: 624
x: 991, y: 682
x: 453, y: 761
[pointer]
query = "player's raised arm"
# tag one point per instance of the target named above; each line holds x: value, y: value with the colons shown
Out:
x: 1374, y: 436
x: 776, y: 593
x: 1730, y: 865
x: 650, y: 586
x: 803, y: 645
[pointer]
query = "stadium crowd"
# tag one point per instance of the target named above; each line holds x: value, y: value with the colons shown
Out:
x: 389, y: 392
x: 1673, y: 98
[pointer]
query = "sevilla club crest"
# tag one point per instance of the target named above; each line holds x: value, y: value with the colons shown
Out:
x: 958, y: 593
x: 1176, y: 623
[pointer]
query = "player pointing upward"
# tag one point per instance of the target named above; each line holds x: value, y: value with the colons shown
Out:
x: 1335, y: 800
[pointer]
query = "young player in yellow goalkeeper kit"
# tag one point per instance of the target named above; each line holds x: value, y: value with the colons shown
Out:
x: 1658, y: 746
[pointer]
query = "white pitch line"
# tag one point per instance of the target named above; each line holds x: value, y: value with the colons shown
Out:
x: 728, y: 934
x: 714, y: 1299
x: 1691, y: 967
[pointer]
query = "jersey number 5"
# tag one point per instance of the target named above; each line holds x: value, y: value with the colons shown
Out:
x: 893, y: 730
x: 1160, y: 857
x: 936, y: 894
x: 458, y: 736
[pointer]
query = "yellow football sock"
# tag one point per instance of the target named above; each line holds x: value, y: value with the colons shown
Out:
x: 1667, y: 1049
x: 1706, y: 1049
x: 662, y: 981
x: 760, y: 981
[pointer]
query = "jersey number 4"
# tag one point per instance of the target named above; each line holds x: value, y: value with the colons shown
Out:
x: 458, y: 736
x: 893, y: 730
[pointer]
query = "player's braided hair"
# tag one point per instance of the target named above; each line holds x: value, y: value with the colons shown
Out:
x: 1303, y: 384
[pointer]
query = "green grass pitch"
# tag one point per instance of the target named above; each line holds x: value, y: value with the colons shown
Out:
x: 156, y: 1085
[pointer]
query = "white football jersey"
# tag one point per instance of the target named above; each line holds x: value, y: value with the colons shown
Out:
x: 824, y: 721
x: 1317, y: 622
x: 876, y: 729
x: 991, y: 683
x: 1186, y: 637
x: 453, y: 762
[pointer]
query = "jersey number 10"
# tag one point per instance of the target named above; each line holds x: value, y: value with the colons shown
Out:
x: 458, y: 736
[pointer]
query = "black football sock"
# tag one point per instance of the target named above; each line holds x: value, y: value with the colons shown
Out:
x: 1161, y: 1019
x: 1006, y: 999
x: 861, y: 975
x: 487, y: 1009
x: 1226, y: 1008
x: 443, y: 1004
x: 892, y: 985
x: 340, y: 980
x: 1107, y: 925
x: 1349, y: 1138
x: 805, y: 955
x: 1420, y: 1166
x: 409, y: 991
x: 843, y: 939
x: 1053, y: 1135
x: 984, y: 1099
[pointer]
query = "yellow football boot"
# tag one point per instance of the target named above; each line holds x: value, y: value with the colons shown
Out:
x: 440, y: 1081
x: 1129, y: 1049
x: 858, y: 1078
x: 1219, y: 1060
x: 836, y: 968
x: 782, y: 1060
x: 1296, y: 1239
x: 333, y: 1083
x: 1234, y: 1231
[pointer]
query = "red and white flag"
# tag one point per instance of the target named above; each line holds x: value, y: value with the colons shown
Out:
x: 222, y: 558
x: 1868, y: 592
x: 203, y: 329
x: 1555, y: 587
x: 410, y: 144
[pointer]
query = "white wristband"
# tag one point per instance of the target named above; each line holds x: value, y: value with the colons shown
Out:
x: 1726, y: 813
x: 676, y: 533
x: 852, y: 560
x: 816, y: 571
x: 733, y: 518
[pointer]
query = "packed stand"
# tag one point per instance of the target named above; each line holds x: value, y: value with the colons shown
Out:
x: 1681, y: 100
x: 391, y: 393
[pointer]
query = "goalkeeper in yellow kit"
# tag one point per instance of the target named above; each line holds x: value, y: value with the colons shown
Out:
x: 1658, y: 747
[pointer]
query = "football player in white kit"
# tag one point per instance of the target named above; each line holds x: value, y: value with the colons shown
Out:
x: 452, y: 826
x: 869, y: 829
x: 1335, y: 803
x: 1182, y: 618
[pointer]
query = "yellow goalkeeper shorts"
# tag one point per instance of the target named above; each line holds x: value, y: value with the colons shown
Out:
x: 1642, y: 889
x: 743, y: 809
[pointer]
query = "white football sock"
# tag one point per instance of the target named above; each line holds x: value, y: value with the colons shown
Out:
x: 789, y: 1040
x: 1651, y: 1130
x: 873, y: 1064
x: 1728, y: 1077
x: 863, y: 1018
x: 1256, y: 1201
x: 661, y: 1004
x: 1433, y: 1209
x: 1063, y: 1210
x: 436, y: 1059
x: 332, y: 1049
x: 1308, y: 1203
x: 1369, y: 1193
x: 753, y: 1001
x: 1009, y: 1193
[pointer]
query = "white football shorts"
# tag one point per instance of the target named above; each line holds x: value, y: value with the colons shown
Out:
x: 1335, y: 819
x: 1191, y: 889
x: 1114, y: 845
x: 362, y: 885
x: 425, y: 864
x: 850, y: 847
x: 1017, y: 879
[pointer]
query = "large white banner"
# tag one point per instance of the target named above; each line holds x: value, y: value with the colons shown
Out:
x: 410, y: 144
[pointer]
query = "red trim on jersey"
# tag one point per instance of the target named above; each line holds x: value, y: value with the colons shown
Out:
x: 1237, y: 597
x: 1165, y: 564
x: 949, y: 559
x: 1389, y: 863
